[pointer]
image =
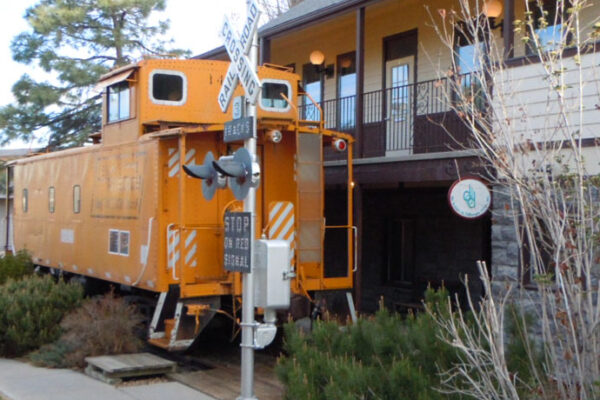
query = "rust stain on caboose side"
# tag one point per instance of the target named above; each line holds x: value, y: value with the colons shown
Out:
x: 118, y: 185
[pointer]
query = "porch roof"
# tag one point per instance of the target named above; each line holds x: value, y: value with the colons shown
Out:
x: 307, y: 11
x: 303, y: 13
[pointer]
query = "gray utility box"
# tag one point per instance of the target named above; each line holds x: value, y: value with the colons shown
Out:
x: 271, y: 274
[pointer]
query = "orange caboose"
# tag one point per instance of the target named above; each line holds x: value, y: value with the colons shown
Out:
x: 123, y: 210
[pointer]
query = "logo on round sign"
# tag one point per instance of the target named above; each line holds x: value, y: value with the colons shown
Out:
x: 469, y: 198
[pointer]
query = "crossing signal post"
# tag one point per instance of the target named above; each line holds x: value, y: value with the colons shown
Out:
x: 243, y: 52
x: 264, y: 262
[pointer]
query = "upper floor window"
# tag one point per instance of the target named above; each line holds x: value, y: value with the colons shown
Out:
x: 118, y: 102
x: 547, y: 24
x: 271, y: 98
x: 76, y: 199
x: 469, y: 57
x: 168, y: 87
x: 313, y: 86
x: 51, y: 199
x: 468, y: 52
x: 346, y: 73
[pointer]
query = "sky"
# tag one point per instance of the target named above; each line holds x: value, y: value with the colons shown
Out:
x: 194, y: 25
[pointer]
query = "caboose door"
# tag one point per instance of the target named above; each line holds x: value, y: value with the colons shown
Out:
x: 193, y: 229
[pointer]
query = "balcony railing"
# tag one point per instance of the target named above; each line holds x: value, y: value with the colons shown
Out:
x: 403, y: 120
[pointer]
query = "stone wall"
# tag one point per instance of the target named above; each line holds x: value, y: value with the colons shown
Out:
x: 505, y: 246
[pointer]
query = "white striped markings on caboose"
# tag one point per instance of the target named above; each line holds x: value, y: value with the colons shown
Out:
x: 281, y: 224
x: 173, y: 163
x: 190, y: 248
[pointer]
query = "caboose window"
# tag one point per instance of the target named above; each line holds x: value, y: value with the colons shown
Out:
x: 76, y: 199
x: 271, y: 99
x: 168, y: 87
x: 25, y: 200
x: 118, y: 242
x: 118, y: 102
x: 51, y: 199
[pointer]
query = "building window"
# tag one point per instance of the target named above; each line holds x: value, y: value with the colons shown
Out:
x: 313, y: 86
x: 400, y: 243
x: 346, y: 73
x: 118, y: 102
x: 76, y: 199
x: 51, y: 203
x: 25, y: 200
x: 118, y: 242
x: 168, y: 87
x: 271, y: 99
x: 547, y: 25
x: 469, y: 55
x: 400, y: 92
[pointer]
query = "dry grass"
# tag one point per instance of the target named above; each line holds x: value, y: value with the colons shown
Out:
x: 101, y: 326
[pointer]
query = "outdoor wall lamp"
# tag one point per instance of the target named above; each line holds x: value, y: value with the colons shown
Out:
x: 317, y: 58
x: 492, y: 9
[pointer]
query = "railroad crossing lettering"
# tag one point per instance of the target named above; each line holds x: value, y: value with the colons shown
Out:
x: 240, y: 68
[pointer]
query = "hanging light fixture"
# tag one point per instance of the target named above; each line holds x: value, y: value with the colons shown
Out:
x: 317, y: 57
x: 492, y: 8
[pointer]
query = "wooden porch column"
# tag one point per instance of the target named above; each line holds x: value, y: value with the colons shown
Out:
x: 507, y: 27
x: 265, y: 51
x: 360, y: 80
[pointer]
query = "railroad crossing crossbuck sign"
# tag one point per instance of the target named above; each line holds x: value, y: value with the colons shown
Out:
x: 240, y: 68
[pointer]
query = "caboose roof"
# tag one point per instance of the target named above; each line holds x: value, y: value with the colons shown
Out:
x: 115, y: 76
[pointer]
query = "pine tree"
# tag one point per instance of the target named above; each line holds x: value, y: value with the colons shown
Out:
x: 76, y: 41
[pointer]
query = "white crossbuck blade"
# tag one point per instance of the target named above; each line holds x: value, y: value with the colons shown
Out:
x: 240, y: 68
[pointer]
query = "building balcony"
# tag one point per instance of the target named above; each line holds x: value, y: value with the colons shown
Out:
x: 399, y: 121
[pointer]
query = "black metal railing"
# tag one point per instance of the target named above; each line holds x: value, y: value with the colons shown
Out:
x: 415, y: 118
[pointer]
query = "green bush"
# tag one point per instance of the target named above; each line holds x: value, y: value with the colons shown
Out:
x: 31, y: 310
x: 102, y: 325
x: 15, y: 266
x: 387, y: 356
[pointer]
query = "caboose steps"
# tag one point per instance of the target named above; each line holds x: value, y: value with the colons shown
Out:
x: 177, y: 322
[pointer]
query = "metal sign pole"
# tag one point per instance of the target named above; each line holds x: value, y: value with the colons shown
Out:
x: 248, y: 322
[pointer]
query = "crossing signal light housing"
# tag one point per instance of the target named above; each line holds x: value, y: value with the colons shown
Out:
x: 211, y: 179
x: 242, y: 172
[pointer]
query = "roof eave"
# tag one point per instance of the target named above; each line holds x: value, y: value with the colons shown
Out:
x: 312, y: 17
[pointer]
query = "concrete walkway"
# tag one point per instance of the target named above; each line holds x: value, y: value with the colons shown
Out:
x: 21, y: 381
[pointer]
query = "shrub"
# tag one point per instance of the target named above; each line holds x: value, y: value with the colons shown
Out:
x: 31, y: 310
x: 102, y: 325
x: 386, y: 356
x: 15, y: 266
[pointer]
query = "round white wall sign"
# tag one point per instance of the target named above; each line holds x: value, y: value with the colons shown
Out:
x: 469, y: 198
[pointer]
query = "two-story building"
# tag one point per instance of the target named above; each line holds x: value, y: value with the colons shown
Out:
x: 376, y: 70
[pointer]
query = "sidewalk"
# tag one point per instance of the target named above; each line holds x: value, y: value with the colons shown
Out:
x: 21, y: 381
